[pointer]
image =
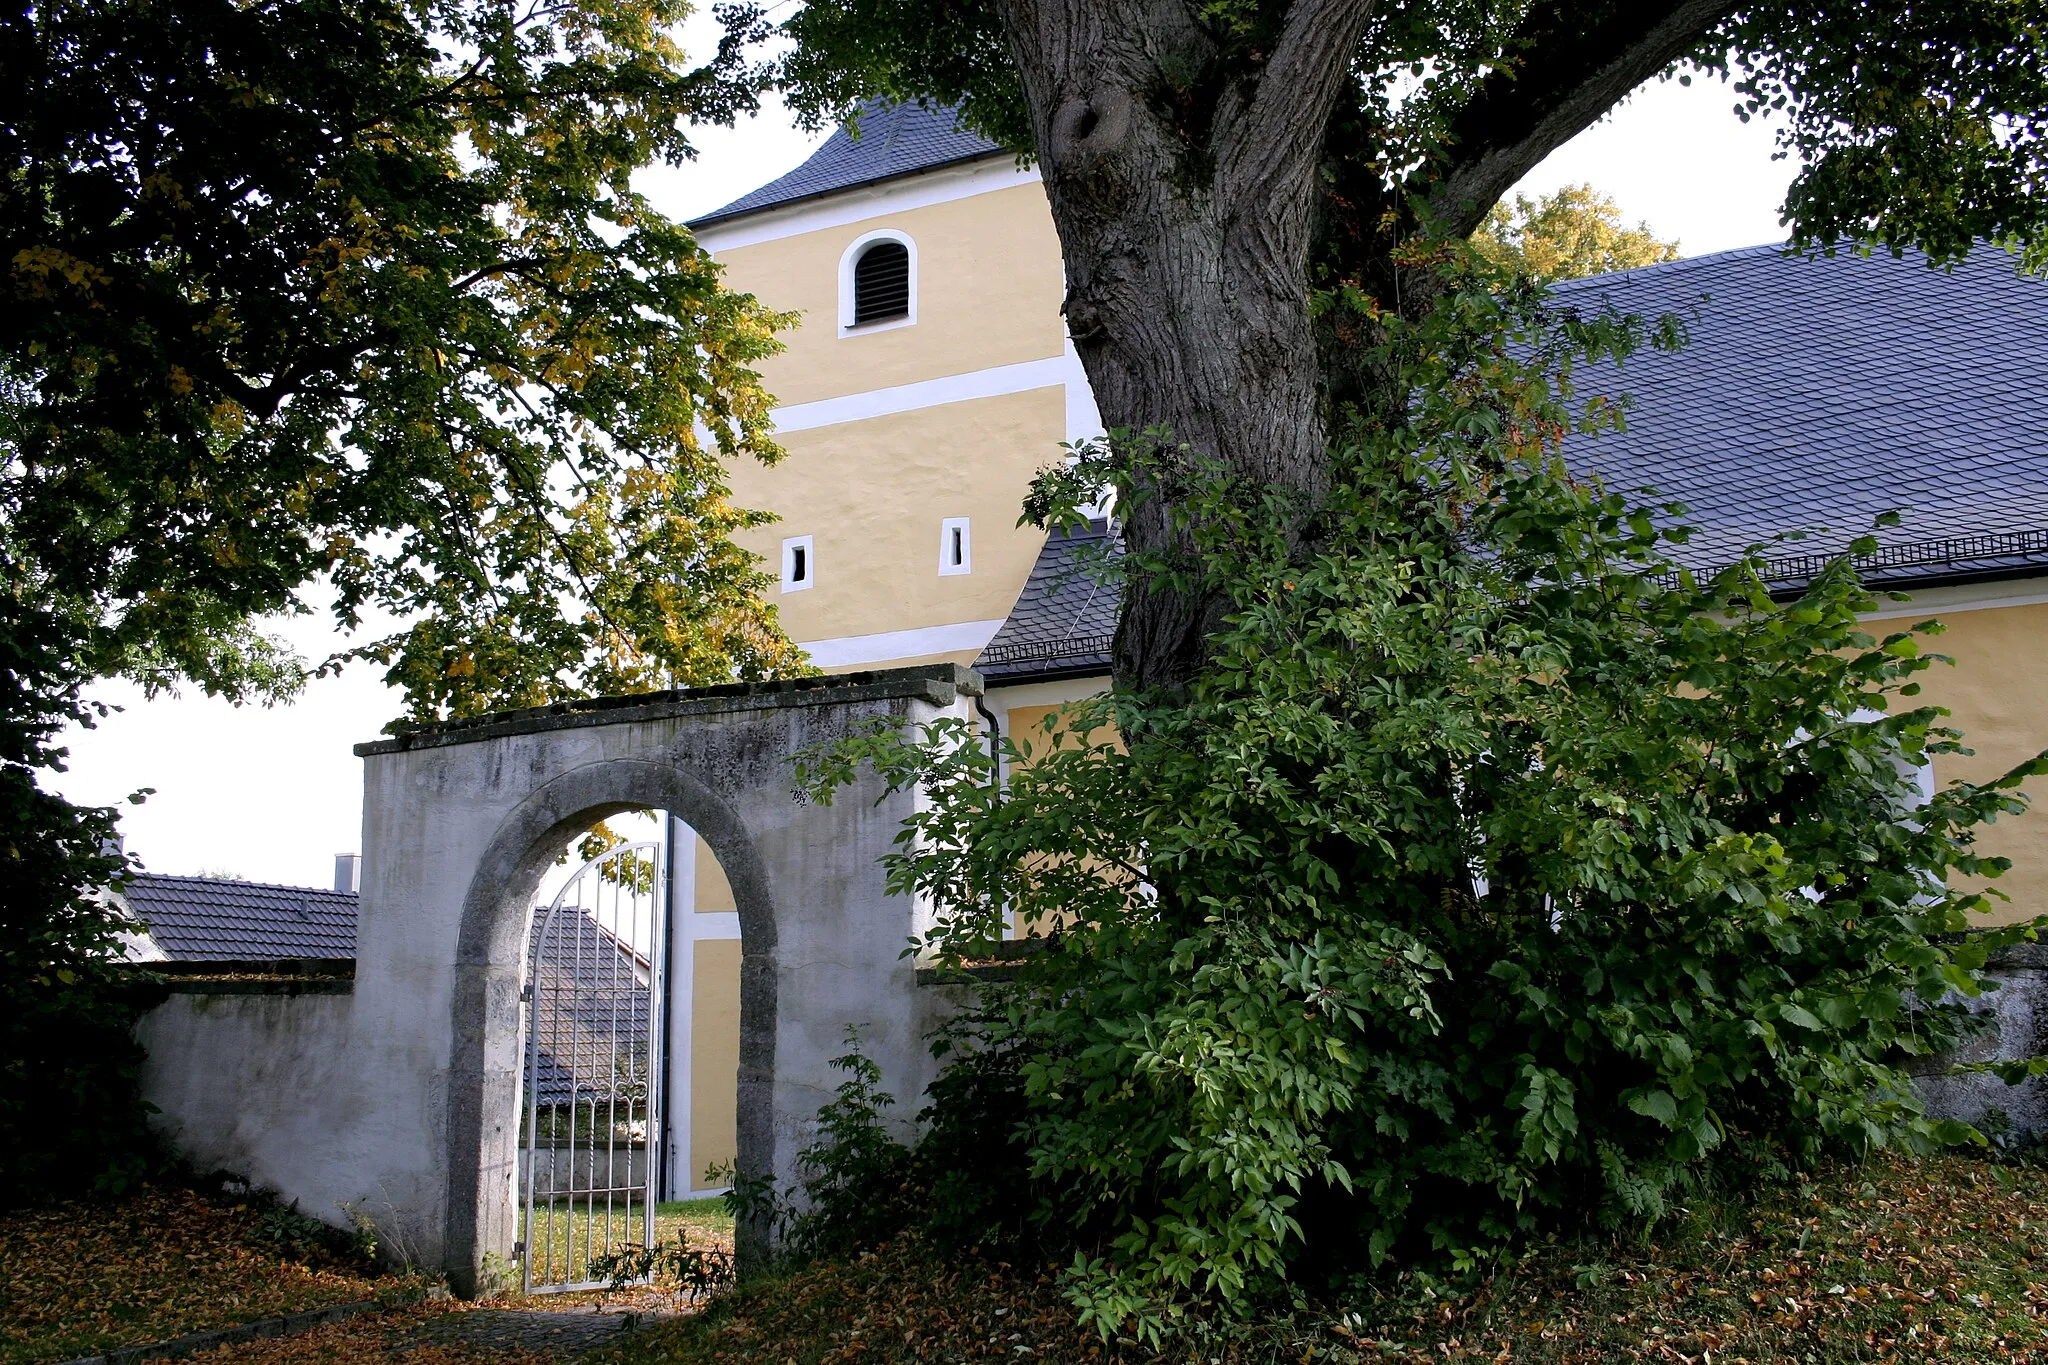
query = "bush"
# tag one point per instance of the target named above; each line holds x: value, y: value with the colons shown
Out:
x: 1498, y: 875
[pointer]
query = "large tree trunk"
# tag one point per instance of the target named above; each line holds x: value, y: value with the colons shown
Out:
x: 1189, y: 187
x: 1186, y: 252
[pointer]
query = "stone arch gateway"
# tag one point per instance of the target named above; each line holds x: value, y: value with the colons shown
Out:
x: 460, y: 822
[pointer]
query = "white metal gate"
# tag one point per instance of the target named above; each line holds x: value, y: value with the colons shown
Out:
x: 591, y: 1083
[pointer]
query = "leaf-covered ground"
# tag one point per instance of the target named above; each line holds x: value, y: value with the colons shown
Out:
x: 1943, y: 1259
x: 80, y: 1279
x: 84, y: 1278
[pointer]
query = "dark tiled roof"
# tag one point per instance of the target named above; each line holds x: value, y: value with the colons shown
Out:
x: 1812, y: 396
x: 1815, y: 394
x: 211, y: 919
x: 591, y: 1012
x: 895, y: 140
x: 1063, y: 620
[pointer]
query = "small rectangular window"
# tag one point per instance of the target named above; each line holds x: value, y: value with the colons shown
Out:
x: 799, y: 564
x: 956, y: 546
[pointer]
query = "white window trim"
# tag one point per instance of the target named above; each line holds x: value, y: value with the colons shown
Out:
x: 946, y: 529
x: 789, y: 548
x: 846, y: 263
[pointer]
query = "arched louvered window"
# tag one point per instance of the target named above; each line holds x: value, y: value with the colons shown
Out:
x: 881, y: 283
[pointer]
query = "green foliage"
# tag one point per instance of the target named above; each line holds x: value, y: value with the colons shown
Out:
x: 71, y: 1121
x: 1498, y: 875
x: 1908, y: 1259
x: 361, y: 291
x: 347, y: 298
x: 1915, y: 124
x: 294, y: 1236
x: 854, y: 1172
x: 1566, y: 236
x: 673, y: 1265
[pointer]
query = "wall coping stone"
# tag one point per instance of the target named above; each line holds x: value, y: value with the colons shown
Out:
x: 269, y: 976
x: 939, y: 684
x: 260, y: 985
x: 278, y: 966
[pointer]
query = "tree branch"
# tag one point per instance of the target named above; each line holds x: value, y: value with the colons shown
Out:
x: 1274, y: 148
x: 1278, y: 142
x: 1571, y: 69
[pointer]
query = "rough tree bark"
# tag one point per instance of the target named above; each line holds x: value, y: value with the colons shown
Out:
x: 1191, y: 194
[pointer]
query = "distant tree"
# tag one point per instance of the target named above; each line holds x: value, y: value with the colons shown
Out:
x: 346, y: 304
x: 1567, y: 236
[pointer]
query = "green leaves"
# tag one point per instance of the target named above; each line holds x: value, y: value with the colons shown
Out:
x: 302, y: 294
x: 1498, y: 875
x: 344, y: 301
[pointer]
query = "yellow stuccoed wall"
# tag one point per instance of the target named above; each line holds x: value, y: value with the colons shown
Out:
x: 1997, y: 693
x: 714, y: 892
x: 714, y: 1057
x: 872, y: 494
x: 714, y: 1030
x: 989, y: 286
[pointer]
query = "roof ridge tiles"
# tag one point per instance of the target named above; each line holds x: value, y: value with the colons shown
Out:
x: 235, y: 882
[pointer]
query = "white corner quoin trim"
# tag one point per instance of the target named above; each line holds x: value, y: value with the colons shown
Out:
x: 851, y: 651
x: 850, y: 258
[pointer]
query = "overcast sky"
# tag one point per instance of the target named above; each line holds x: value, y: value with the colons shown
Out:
x: 273, y: 795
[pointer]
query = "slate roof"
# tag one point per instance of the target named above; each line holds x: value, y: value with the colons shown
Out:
x: 1064, y: 617
x: 895, y: 140
x: 1813, y: 395
x: 212, y: 919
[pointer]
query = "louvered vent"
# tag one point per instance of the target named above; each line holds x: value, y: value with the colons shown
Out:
x: 881, y: 283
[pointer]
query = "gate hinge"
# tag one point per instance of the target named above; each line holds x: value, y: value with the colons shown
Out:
x: 526, y: 992
x: 518, y: 1249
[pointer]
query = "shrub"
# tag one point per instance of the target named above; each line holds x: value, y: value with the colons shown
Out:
x: 1498, y: 874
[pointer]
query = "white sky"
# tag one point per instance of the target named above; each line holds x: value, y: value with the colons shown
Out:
x: 273, y: 795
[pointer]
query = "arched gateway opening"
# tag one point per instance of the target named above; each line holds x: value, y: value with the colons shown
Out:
x: 461, y: 823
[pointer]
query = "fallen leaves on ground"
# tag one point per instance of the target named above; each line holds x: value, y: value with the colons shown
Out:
x: 391, y: 1335
x: 1894, y: 1260
x: 84, y: 1278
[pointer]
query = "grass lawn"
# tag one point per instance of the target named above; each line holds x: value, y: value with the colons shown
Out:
x: 1943, y: 1260
x: 564, y: 1241
x: 80, y: 1279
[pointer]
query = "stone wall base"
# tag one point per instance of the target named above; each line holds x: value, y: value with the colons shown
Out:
x: 2017, y: 1027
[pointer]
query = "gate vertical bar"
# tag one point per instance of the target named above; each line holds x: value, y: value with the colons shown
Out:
x: 595, y: 1005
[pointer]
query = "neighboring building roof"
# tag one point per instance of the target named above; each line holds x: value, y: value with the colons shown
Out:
x: 212, y: 919
x: 1064, y: 617
x: 1813, y: 395
x: 591, y: 1011
x: 602, y: 1030
x: 894, y: 140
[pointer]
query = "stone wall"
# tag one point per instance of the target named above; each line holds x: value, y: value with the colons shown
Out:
x: 2016, y: 1017
x: 261, y: 1078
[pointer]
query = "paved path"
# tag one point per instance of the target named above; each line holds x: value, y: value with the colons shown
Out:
x: 560, y: 1334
